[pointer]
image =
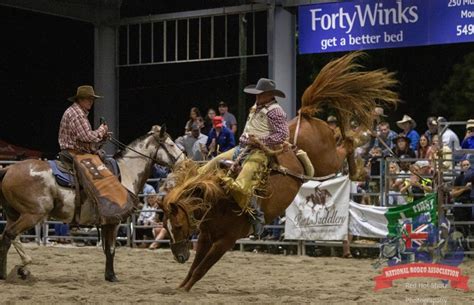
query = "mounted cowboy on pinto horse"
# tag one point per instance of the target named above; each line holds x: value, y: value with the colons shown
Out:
x: 30, y: 193
x: 218, y: 201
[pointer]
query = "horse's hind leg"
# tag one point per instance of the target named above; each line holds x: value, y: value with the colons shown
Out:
x: 12, y: 230
x: 109, y: 235
x: 203, y: 246
x: 218, y: 249
x: 25, y: 258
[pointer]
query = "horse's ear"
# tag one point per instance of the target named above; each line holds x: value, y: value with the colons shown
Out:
x: 162, y: 130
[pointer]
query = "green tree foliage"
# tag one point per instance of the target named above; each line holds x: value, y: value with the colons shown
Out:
x: 455, y: 99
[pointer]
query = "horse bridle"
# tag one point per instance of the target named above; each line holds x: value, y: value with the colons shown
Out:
x: 161, y: 144
x: 190, y: 226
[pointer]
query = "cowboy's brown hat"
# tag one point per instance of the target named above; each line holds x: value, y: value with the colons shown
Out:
x: 470, y: 123
x: 264, y: 85
x: 84, y: 91
x: 406, y: 118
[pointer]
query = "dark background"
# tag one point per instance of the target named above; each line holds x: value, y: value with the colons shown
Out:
x: 44, y: 58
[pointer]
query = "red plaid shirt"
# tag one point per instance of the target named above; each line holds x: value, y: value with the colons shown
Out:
x: 75, y: 131
x: 280, y: 132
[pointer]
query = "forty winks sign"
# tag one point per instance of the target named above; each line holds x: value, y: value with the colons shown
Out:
x: 374, y: 24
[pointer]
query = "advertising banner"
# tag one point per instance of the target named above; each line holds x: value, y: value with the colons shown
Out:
x: 320, y: 211
x: 375, y: 24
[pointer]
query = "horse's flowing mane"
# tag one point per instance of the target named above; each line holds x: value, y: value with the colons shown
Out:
x: 352, y: 93
x: 194, y: 190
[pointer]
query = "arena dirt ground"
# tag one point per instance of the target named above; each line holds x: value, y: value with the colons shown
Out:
x: 64, y: 275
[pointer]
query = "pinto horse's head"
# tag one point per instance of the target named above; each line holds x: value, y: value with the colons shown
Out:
x: 179, y: 226
x: 167, y: 152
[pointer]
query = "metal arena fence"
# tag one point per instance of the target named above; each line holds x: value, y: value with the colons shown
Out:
x: 381, y: 197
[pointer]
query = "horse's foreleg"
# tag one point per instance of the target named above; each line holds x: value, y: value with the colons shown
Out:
x: 203, y: 246
x: 109, y: 235
x: 216, y: 251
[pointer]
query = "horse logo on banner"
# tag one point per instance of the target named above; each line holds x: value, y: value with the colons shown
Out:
x: 319, y: 197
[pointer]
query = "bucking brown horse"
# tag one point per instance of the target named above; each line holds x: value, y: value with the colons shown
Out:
x: 199, y: 200
x: 30, y: 194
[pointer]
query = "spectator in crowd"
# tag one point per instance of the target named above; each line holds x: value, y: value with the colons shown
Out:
x: 211, y: 113
x: 332, y: 123
x: 446, y: 153
x: 61, y: 229
x: 229, y: 119
x: 449, y: 137
x: 373, y: 168
x: 395, y: 183
x: 432, y: 125
x: 158, y: 172
x: 468, y: 141
x: 423, y: 147
x: 402, y: 146
x: 194, y: 119
x: 461, y: 193
x: 193, y: 144
x: 220, y: 138
x: 415, y: 187
x: 147, y: 215
x: 407, y: 124
x: 159, y: 233
x: 386, y: 135
x: 377, y: 118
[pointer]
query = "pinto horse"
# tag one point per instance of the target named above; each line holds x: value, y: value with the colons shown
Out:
x: 200, y: 201
x: 30, y: 194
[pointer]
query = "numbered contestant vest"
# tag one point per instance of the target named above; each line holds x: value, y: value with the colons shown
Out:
x: 257, y: 122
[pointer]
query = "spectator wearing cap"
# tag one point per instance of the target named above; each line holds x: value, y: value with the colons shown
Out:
x: 229, y: 119
x: 416, y: 186
x: 449, y: 138
x: 407, y: 124
x: 192, y: 144
x: 220, y: 139
x: 432, y: 125
x: 402, y: 146
x: 468, y: 142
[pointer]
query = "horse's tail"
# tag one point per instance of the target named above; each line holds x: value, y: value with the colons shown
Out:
x: 351, y: 93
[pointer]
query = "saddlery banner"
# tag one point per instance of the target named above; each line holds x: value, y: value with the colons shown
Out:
x: 320, y: 211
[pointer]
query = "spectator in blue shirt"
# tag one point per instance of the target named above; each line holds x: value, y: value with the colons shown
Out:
x: 220, y: 138
x: 407, y: 124
x: 468, y: 142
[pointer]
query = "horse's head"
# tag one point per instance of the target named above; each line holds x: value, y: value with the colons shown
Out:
x: 167, y: 152
x: 180, y: 228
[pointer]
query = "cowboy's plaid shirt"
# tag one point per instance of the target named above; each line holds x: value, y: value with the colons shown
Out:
x: 277, y: 120
x: 75, y: 131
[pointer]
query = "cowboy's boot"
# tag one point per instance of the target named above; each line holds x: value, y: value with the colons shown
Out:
x: 256, y: 218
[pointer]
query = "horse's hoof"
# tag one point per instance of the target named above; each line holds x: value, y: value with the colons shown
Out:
x: 111, y: 278
x: 23, y: 273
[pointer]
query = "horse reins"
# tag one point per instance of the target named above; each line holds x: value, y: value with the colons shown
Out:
x: 121, y: 145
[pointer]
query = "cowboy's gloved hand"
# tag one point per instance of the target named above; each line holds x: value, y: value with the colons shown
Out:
x: 253, y: 141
